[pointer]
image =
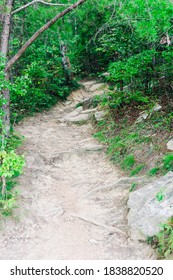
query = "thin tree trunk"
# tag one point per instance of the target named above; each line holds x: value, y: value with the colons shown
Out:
x: 66, y: 63
x: 41, y: 30
x: 4, y: 50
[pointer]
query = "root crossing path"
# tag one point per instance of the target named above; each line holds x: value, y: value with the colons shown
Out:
x: 70, y: 206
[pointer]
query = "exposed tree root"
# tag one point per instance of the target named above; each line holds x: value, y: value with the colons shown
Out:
x: 95, y: 223
x: 124, y: 181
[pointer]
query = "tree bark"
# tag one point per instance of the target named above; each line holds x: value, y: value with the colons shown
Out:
x: 66, y: 63
x: 41, y: 30
x: 4, y: 50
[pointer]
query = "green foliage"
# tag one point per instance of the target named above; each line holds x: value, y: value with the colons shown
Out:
x: 137, y: 169
x: 7, y: 206
x: 163, y: 241
x: 163, y: 166
x: 160, y: 195
x: 128, y: 162
x: 133, y: 187
x: 149, y: 18
x: 168, y: 162
x: 11, y: 164
x: 162, y: 120
x: 153, y: 171
x: 133, y: 67
x: 118, y: 99
x: 34, y: 101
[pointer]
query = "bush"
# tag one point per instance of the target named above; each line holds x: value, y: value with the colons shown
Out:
x: 168, y: 162
x: 128, y: 162
x: 163, y: 241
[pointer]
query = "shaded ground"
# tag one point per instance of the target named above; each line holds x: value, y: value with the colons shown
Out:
x: 67, y: 209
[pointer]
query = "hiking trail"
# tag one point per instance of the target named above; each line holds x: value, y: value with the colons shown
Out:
x: 70, y: 206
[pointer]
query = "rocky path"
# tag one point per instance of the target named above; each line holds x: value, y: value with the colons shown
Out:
x: 70, y: 204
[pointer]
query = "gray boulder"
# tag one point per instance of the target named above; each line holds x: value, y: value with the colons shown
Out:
x: 146, y: 212
x: 170, y: 145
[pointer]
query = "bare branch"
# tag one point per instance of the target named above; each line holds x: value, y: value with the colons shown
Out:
x: 41, y: 30
x: 36, y: 1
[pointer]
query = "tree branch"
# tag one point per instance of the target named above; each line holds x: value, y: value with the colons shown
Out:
x: 36, y: 1
x: 41, y: 30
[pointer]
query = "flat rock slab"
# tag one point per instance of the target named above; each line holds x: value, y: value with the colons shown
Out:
x: 96, y: 87
x: 74, y: 113
x: 89, y: 83
x: 79, y: 118
x: 146, y: 212
x: 78, y: 115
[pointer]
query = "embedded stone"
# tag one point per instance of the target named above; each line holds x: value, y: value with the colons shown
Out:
x: 170, y: 145
x: 146, y: 211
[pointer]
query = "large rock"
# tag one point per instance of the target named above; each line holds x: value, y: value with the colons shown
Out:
x: 170, y: 145
x: 146, y: 212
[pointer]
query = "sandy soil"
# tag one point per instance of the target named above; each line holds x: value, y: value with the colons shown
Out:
x: 64, y: 210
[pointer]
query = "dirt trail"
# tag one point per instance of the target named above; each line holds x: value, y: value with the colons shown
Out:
x: 65, y: 212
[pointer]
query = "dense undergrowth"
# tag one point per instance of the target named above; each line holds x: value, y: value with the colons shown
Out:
x: 137, y: 144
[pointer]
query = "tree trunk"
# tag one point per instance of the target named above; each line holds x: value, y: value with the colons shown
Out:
x: 66, y: 63
x: 4, y: 50
x: 5, y: 42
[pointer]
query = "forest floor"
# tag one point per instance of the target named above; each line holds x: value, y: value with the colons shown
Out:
x: 67, y: 207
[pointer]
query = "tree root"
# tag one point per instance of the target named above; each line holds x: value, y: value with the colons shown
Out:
x: 95, y: 223
x: 124, y: 181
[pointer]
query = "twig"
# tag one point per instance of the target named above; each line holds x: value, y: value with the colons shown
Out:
x: 34, y: 2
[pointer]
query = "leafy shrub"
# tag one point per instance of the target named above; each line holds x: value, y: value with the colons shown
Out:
x: 117, y: 99
x: 11, y: 164
x: 163, y: 241
x: 168, y: 162
x: 135, y: 66
x: 153, y: 171
x: 7, y: 205
x: 34, y: 101
x: 137, y: 169
x: 128, y: 162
